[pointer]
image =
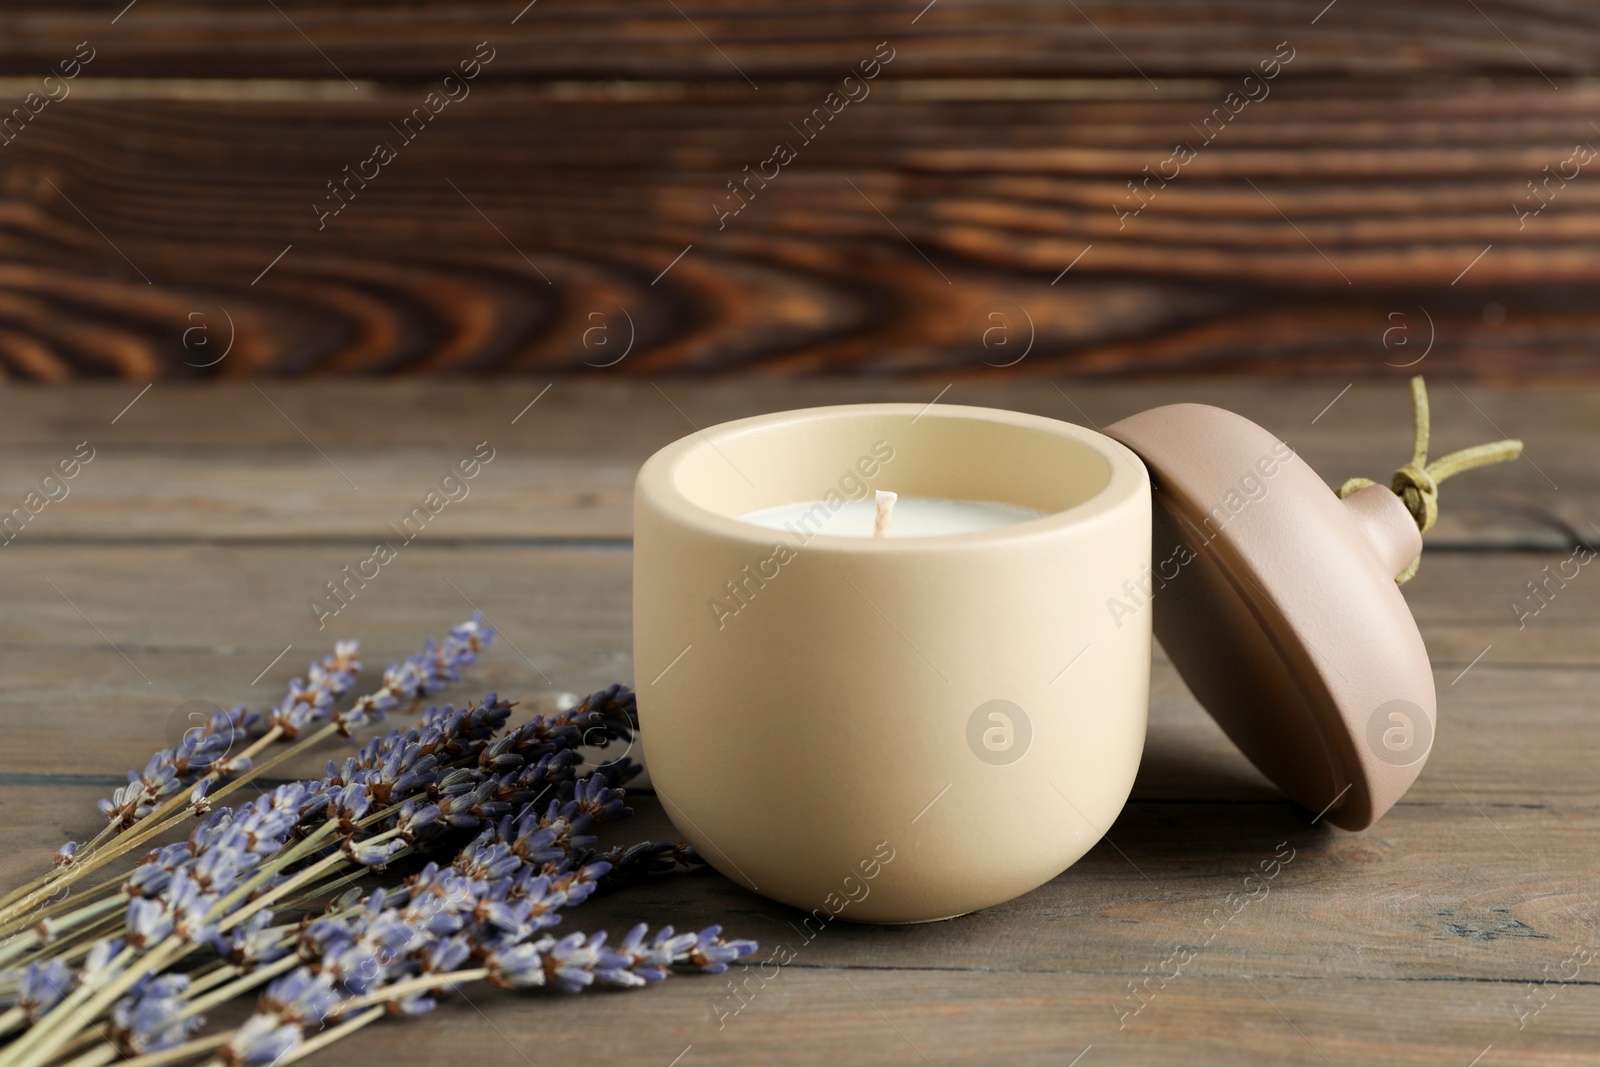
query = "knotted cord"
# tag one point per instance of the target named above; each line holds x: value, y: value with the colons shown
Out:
x: 1417, y: 483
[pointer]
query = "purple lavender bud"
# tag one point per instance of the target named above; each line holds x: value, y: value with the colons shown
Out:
x: 650, y: 962
x: 509, y: 922
x: 617, y: 970
x: 66, y: 854
x: 369, y: 854
x: 594, y: 797
x: 221, y: 865
x: 251, y: 943
x: 381, y: 899
x: 544, y: 901
x: 520, y: 966
x: 318, y: 801
x: 147, y: 922
x: 574, y: 963
x: 459, y: 781
x: 392, y: 935
x: 413, y: 1005
x: 301, y: 997
x: 487, y: 861
x: 43, y: 986
x: 148, y: 1019
x: 352, y: 802
x: 99, y: 958
x: 712, y: 954
x: 189, y: 905
x: 443, y: 910
x: 414, y: 816
x: 446, y: 955
x: 355, y: 966
x: 580, y: 891
x: 501, y: 755
x: 289, y: 799
x: 261, y: 1041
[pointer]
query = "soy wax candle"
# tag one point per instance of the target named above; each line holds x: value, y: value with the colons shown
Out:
x: 892, y: 728
x: 886, y: 515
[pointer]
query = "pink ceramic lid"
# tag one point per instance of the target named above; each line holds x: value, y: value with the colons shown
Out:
x: 1277, y: 603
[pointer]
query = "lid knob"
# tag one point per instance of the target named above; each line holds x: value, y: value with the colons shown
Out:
x: 1388, y: 527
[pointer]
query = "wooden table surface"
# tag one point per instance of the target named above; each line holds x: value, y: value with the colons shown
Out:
x: 182, y: 562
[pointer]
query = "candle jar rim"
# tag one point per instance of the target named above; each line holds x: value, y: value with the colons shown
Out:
x: 1121, y: 476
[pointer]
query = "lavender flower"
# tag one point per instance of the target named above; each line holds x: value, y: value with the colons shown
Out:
x: 371, y: 854
x: 647, y: 860
x: 251, y: 943
x: 198, y: 752
x: 446, y: 955
x: 261, y: 1041
x: 150, y: 1018
x: 176, y: 888
x: 576, y: 962
x: 310, y: 700
x: 301, y: 997
x: 45, y: 983
x: 516, y: 967
x: 612, y: 714
x: 422, y: 673
x: 148, y: 922
x: 415, y: 817
x: 711, y: 953
x: 43, y: 986
x: 204, y: 750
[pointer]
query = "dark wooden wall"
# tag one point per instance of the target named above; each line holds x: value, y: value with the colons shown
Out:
x: 1337, y: 225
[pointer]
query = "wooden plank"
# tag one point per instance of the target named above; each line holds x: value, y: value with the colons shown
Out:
x: 1369, y: 202
x: 565, y: 39
x: 1436, y: 892
x: 1416, y: 939
x: 815, y: 1016
x: 170, y: 465
x: 200, y: 623
x: 1432, y: 892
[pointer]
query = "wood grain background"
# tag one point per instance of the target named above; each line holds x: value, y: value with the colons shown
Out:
x: 161, y: 211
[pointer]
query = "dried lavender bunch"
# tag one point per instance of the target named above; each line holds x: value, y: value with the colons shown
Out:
x: 185, y: 896
x: 202, y: 754
x: 308, y: 703
x: 205, y: 751
x: 490, y: 908
x: 406, y: 791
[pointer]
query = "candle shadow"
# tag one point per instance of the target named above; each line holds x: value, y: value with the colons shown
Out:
x: 1175, y: 770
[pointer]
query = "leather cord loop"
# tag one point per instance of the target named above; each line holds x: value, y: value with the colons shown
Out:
x: 1417, y: 483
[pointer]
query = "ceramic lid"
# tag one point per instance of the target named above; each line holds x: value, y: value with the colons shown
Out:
x: 1276, y: 601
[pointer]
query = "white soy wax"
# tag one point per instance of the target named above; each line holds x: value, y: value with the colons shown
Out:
x: 906, y: 516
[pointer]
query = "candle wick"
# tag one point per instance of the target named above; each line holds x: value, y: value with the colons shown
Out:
x: 885, y: 513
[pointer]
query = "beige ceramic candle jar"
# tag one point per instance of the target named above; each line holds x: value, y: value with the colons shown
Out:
x: 903, y: 728
x: 892, y: 729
